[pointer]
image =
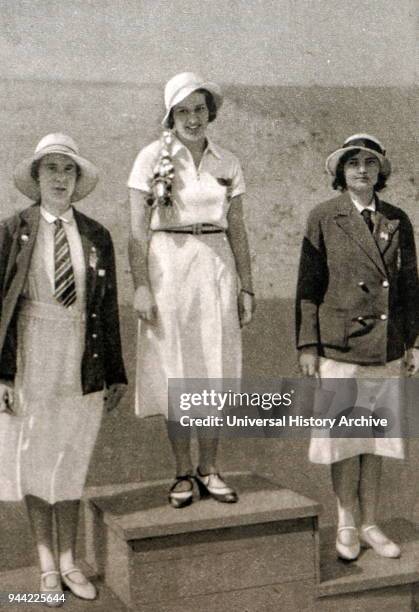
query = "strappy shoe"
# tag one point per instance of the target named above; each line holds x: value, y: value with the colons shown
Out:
x: 54, y: 593
x: 180, y: 499
x: 373, y: 537
x: 348, y: 552
x: 83, y: 588
x: 212, y: 485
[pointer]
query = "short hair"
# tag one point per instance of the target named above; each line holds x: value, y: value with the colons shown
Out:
x: 339, y: 181
x: 211, y: 106
x: 35, y: 169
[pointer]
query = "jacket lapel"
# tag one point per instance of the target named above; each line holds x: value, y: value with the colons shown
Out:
x: 18, y: 264
x: 22, y: 248
x: 385, y: 229
x: 351, y: 222
x: 90, y: 251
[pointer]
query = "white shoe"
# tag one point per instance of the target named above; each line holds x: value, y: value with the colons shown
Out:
x: 212, y: 485
x: 348, y: 552
x: 373, y: 537
x: 78, y: 583
x: 52, y: 588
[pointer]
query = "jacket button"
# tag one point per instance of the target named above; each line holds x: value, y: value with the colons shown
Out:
x: 94, y: 315
x: 383, y: 317
x: 94, y: 336
x: 385, y: 283
x: 95, y: 355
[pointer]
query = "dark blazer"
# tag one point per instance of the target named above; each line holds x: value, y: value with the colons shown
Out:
x: 102, y: 360
x: 358, y: 294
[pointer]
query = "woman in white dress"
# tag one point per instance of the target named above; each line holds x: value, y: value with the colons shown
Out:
x: 193, y: 286
x: 357, y: 319
x: 59, y: 349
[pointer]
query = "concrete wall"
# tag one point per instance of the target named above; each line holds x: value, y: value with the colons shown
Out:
x: 77, y: 67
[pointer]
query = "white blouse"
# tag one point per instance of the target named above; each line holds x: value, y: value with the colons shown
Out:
x: 200, y: 195
x: 42, y: 267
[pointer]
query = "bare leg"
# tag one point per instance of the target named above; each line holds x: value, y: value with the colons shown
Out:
x: 67, y: 516
x: 345, y: 480
x: 209, y: 481
x: 41, y: 518
x: 181, y: 447
x: 182, y: 452
x: 369, y: 487
x: 208, y: 446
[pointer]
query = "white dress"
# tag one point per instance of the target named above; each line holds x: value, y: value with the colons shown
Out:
x: 193, y: 277
x: 47, y: 444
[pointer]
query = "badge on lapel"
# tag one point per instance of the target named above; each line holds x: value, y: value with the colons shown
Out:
x: 93, y: 258
x: 22, y: 242
x: 386, y: 232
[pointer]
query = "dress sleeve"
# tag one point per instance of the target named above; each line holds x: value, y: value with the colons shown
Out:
x: 142, y: 171
x: 238, y: 186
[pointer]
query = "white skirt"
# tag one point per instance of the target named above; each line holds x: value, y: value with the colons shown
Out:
x: 385, y: 397
x: 47, y: 444
x: 197, y: 332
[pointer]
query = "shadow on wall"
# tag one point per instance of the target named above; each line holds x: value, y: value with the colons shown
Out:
x: 129, y: 449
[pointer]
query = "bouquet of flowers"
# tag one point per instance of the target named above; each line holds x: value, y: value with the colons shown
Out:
x: 164, y: 173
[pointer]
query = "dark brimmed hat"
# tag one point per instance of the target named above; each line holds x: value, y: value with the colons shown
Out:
x: 56, y: 143
x: 364, y: 142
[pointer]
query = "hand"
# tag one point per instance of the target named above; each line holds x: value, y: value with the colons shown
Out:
x: 247, y: 306
x: 6, y: 398
x: 308, y: 360
x: 113, y: 395
x: 411, y: 361
x: 145, y: 304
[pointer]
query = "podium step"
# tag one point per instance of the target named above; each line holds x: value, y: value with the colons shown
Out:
x: 258, y: 554
x: 371, y: 583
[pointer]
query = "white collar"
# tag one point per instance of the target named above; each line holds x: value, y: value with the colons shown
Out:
x: 210, y: 148
x: 67, y: 217
x: 360, y: 207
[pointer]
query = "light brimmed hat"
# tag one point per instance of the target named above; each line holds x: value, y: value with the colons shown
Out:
x: 56, y: 143
x: 182, y: 85
x: 365, y: 142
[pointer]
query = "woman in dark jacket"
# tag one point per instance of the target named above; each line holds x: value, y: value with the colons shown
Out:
x: 357, y: 318
x: 60, y: 352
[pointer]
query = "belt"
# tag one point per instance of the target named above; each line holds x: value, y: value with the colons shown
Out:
x: 196, y: 229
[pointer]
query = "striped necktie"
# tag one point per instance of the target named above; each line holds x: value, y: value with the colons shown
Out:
x: 65, y: 286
